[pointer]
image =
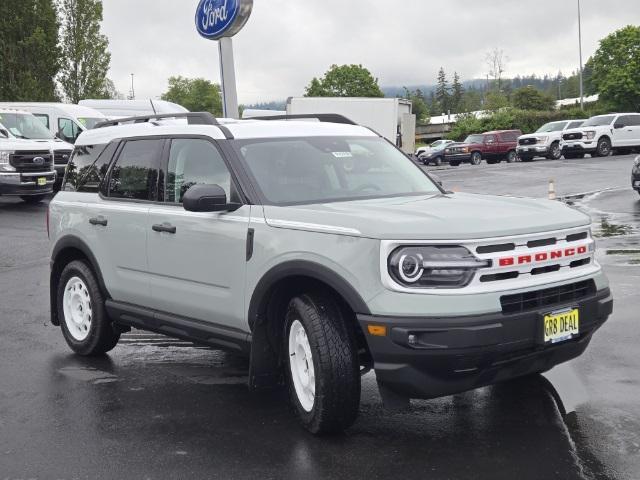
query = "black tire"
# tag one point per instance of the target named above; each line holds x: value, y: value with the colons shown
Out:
x: 335, y: 362
x: 438, y: 161
x: 32, y: 199
x: 512, y: 156
x: 454, y: 163
x: 101, y: 337
x: 604, y: 148
x: 554, y: 151
x: 476, y: 158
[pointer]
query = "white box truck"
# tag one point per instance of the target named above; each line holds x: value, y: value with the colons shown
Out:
x: 390, y: 117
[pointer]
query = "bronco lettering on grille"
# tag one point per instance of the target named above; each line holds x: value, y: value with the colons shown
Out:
x: 542, y: 256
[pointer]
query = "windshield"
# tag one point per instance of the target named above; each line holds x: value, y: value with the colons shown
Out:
x: 89, y: 123
x: 599, y: 121
x: 474, y: 139
x: 25, y: 125
x: 330, y: 169
x: 552, y: 127
x: 437, y: 144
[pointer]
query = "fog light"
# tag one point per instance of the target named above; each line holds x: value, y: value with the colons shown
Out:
x: 377, y: 330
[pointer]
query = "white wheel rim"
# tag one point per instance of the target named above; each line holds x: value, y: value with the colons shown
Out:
x: 301, y: 364
x: 78, y: 312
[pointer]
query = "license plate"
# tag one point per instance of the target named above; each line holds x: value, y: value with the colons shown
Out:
x: 42, y: 181
x: 561, y: 326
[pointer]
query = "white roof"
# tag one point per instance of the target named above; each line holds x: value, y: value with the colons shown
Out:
x: 77, y: 111
x: 14, y: 111
x: 240, y: 129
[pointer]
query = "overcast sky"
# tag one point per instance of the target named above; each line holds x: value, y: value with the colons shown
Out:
x: 403, y: 42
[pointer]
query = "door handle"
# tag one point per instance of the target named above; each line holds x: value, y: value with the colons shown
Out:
x: 164, y: 228
x: 100, y: 220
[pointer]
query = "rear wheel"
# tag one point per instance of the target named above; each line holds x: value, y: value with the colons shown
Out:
x: 604, y: 147
x: 83, y: 319
x: 512, y: 156
x: 476, y: 158
x: 554, y: 151
x: 322, y: 369
x: 32, y: 199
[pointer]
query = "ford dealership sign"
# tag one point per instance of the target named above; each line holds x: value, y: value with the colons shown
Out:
x: 222, y: 18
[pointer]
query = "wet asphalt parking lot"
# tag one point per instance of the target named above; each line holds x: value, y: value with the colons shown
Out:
x: 159, y: 408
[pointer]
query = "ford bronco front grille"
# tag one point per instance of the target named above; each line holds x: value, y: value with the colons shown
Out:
x: 31, y: 161
x: 548, y: 297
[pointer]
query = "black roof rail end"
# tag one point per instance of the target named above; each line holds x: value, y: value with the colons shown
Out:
x: 322, y: 117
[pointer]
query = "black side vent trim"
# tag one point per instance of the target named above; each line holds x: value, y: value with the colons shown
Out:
x: 576, y: 236
x: 504, y: 247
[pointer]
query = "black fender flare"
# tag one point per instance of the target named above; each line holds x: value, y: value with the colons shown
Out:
x: 309, y: 269
x: 65, y: 243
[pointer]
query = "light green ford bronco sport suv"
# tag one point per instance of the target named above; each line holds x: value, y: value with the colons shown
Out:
x: 320, y: 251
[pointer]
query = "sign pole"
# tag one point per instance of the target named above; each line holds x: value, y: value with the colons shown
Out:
x: 228, y: 78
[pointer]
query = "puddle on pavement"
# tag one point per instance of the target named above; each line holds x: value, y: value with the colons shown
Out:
x: 608, y: 229
x: 88, y: 374
x: 632, y: 255
x: 566, y: 388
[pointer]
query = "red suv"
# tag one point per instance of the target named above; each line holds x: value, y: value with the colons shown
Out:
x: 493, y: 146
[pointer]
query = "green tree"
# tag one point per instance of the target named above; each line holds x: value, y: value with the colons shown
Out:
x: 29, y: 52
x: 529, y: 98
x: 442, y: 94
x: 85, y: 50
x: 195, y: 94
x: 457, y: 94
x: 615, y: 67
x: 495, y: 100
x: 345, y: 81
x: 418, y: 104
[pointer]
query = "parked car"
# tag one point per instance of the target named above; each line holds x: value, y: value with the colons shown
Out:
x: 545, y: 142
x: 635, y: 175
x: 264, y: 237
x: 493, y: 146
x: 435, y: 153
x: 438, y: 144
x: 64, y: 120
x: 26, y: 168
x: 601, y: 134
x: 22, y: 125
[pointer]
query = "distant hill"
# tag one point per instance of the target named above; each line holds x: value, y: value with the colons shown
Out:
x: 395, y: 91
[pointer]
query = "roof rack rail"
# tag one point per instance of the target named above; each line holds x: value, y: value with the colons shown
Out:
x: 322, y: 117
x: 193, y: 118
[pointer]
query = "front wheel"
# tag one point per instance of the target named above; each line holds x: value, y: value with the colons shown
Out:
x: 604, y: 147
x: 554, y: 151
x: 476, y: 158
x: 83, y: 318
x: 323, y: 371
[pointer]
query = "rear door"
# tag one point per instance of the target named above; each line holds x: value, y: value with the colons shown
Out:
x: 128, y: 192
x: 198, y: 260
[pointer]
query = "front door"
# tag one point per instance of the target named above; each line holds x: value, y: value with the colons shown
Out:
x: 197, y: 261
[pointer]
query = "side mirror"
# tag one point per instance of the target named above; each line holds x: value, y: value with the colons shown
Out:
x: 206, y: 198
x: 618, y: 125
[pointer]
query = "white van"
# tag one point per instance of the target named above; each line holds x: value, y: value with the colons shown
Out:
x: 115, y: 109
x: 64, y: 120
x: 22, y: 125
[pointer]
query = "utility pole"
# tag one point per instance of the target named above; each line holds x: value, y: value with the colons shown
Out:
x: 580, y: 48
x: 133, y: 92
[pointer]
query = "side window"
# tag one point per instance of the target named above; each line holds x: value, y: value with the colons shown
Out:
x: 135, y: 173
x: 490, y: 139
x: 68, y: 130
x: 87, y: 168
x: 44, y: 118
x: 632, y: 120
x: 192, y: 162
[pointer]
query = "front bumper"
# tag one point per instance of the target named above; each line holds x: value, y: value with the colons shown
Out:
x: 456, y: 354
x: 579, y: 146
x: 529, y: 151
x: 20, y: 184
x: 457, y: 157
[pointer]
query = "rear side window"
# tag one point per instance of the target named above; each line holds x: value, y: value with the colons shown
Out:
x: 135, y: 173
x: 87, y: 168
x: 510, y: 136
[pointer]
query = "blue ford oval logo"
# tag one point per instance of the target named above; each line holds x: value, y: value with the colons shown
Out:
x: 222, y: 18
x: 38, y: 160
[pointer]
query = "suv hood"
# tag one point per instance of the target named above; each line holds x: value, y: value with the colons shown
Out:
x: 458, y: 216
x: 18, y: 144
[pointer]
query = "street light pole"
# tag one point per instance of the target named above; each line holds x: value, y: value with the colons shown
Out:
x: 580, y: 48
x: 133, y: 92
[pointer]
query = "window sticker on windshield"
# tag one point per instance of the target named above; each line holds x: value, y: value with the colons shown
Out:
x: 342, y: 154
